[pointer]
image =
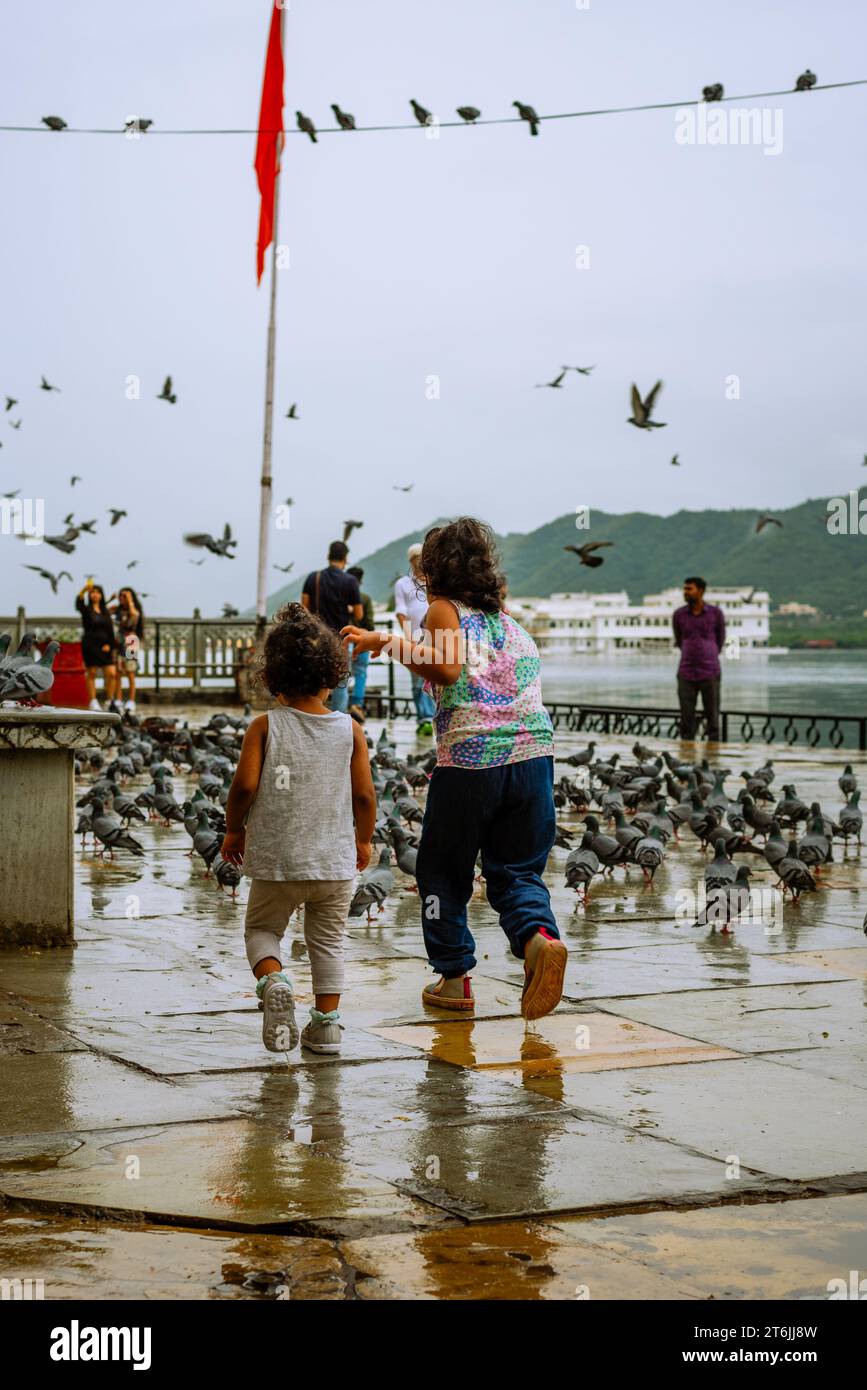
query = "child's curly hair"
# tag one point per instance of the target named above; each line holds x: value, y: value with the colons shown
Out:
x: 302, y: 655
x: 460, y: 561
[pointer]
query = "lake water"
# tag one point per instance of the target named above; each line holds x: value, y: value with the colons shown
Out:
x: 819, y: 682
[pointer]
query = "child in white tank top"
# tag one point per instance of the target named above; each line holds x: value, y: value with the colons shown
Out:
x: 300, y: 817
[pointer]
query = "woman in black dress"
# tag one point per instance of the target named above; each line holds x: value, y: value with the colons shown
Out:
x: 97, y: 641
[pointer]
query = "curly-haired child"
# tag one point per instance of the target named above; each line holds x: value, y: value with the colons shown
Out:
x: 492, y: 787
x: 300, y: 816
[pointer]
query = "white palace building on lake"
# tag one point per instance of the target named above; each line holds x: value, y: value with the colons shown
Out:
x: 606, y: 623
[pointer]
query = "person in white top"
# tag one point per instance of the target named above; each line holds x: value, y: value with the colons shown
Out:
x: 410, y: 607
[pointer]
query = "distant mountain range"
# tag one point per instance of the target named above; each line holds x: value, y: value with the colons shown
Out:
x: 798, y: 562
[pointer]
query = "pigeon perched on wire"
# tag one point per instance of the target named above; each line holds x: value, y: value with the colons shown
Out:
x: 304, y: 123
x: 343, y: 118
x: 643, y: 409
x: 349, y: 527
x: 54, y: 122
x: 138, y: 123
x: 422, y: 115
x: 805, y: 81
x: 167, y: 394
x: 45, y: 385
x: 529, y: 115
x: 713, y: 93
x: 221, y: 545
x: 585, y: 552
x: 53, y: 579
x: 30, y: 680
x: 470, y: 114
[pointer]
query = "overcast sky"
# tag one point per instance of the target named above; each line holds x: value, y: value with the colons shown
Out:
x: 412, y: 258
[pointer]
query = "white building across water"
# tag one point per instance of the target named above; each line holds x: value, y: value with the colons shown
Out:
x: 583, y: 622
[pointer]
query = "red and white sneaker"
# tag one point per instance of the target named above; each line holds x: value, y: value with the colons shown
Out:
x: 449, y: 994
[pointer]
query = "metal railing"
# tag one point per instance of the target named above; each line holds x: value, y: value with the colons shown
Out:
x: 196, y: 654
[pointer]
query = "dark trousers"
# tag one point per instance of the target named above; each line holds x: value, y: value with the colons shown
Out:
x: 688, y: 693
x: 507, y: 813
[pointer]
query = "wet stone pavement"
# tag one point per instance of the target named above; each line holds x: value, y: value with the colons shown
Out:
x: 691, y: 1123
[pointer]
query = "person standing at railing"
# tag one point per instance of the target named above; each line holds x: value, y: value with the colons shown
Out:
x: 410, y: 608
x: 699, y: 635
x: 129, y: 619
x: 98, y: 642
x: 334, y: 596
x: 360, y: 660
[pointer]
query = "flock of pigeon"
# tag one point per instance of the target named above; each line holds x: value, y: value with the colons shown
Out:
x: 139, y: 125
x: 644, y: 806
x: 663, y: 796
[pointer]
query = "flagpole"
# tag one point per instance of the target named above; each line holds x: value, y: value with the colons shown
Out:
x: 265, y: 493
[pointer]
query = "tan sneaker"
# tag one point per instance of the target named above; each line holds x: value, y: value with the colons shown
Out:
x: 545, y: 971
x: 449, y: 994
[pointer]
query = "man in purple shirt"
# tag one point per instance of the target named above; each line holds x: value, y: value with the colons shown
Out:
x: 699, y: 633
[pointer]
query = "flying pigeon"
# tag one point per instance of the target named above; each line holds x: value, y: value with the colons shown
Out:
x: 74, y: 479
x: 349, y: 527
x: 643, y: 409
x: 284, y: 569
x: 343, y: 118
x: 556, y: 384
x: 764, y: 521
x: 10, y: 401
x: 422, y: 116
x: 396, y: 487
x: 132, y: 564
x: 529, y: 115
x: 292, y: 412
x: 166, y: 393
x: 26, y: 682
x: 305, y: 124
x: 116, y: 513
x: 46, y: 574
x: 12, y: 494
x: 46, y: 386
x: 218, y: 546
x: 16, y: 424
x: 470, y: 114
x: 675, y: 460
x: 582, y: 371
x: 805, y: 81
x: 584, y: 553
x: 142, y: 123
x: 54, y: 122
x: 714, y: 92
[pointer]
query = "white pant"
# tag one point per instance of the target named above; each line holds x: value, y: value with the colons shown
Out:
x: 326, y: 905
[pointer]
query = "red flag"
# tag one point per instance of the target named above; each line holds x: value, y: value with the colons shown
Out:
x: 269, y: 145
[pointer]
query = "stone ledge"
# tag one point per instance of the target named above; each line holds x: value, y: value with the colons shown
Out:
x: 52, y: 729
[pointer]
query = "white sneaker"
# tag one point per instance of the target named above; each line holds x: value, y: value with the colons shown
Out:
x: 322, y: 1034
x: 130, y: 706
x: 279, y: 1029
x: 94, y: 704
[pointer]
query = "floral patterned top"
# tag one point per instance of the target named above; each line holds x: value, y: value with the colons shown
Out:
x: 493, y: 714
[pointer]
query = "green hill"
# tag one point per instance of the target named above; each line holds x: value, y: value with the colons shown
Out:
x: 799, y: 562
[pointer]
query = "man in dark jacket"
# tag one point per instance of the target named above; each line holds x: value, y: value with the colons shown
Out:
x: 699, y: 634
x: 335, y: 597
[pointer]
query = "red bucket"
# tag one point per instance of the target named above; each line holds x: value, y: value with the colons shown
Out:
x: 70, y: 688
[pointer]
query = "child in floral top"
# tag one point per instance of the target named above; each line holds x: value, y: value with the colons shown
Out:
x: 492, y: 788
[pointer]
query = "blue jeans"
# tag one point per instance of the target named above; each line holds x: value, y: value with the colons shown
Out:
x: 507, y: 813
x: 360, y: 663
x: 339, y: 697
x: 424, y: 705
